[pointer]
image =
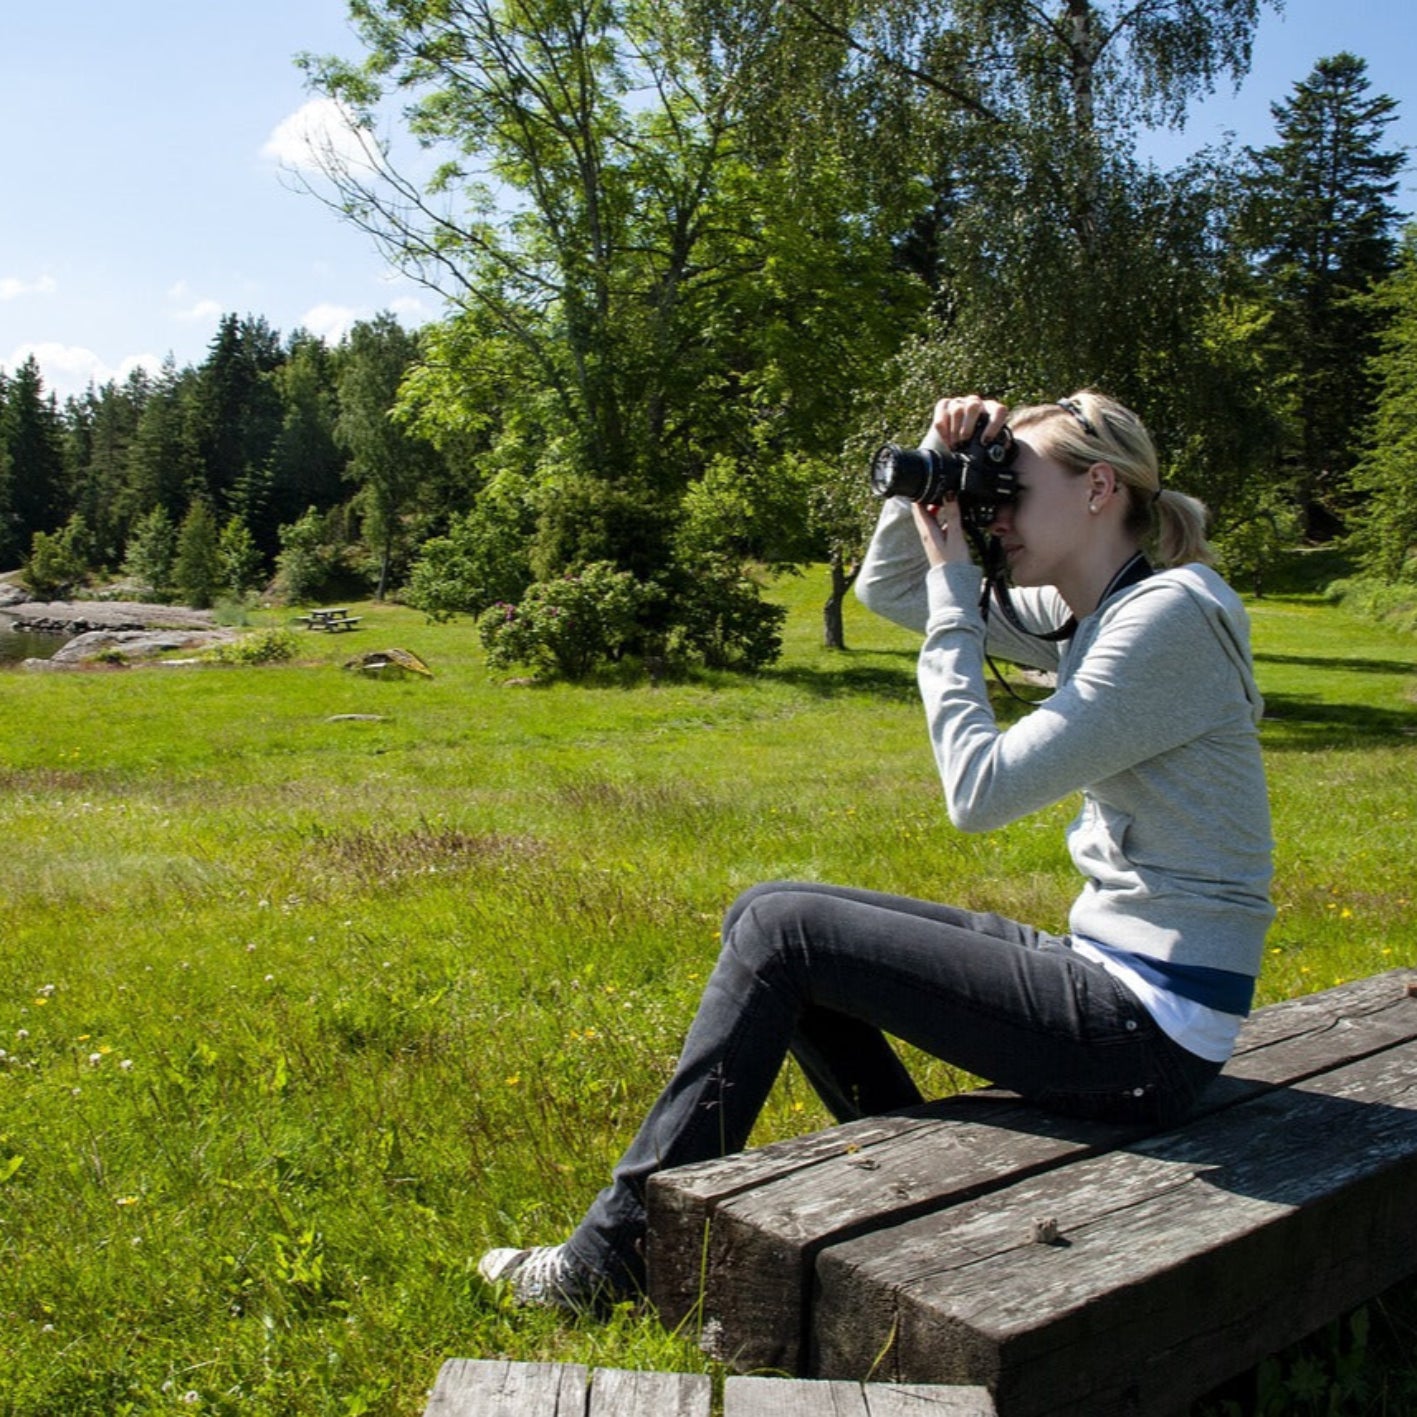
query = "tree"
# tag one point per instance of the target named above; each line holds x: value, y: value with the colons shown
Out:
x: 102, y: 426
x: 1320, y: 230
x: 239, y: 558
x: 1385, y: 516
x: 197, y: 569
x: 305, y: 563
x: 57, y: 561
x: 162, y: 461
x: 234, y: 410
x: 389, y: 464
x: 306, y: 464
x: 1029, y: 206
x: 152, y: 550
x: 998, y: 140
x: 32, y: 436
x: 647, y: 301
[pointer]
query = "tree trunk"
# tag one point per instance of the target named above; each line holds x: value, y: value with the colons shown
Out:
x: 833, y: 623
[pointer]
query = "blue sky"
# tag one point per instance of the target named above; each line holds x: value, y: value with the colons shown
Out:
x: 141, y: 186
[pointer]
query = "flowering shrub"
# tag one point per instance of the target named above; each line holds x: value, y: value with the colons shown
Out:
x: 566, y: 626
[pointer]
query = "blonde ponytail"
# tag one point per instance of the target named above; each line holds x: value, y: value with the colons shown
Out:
x: 1179, y: 535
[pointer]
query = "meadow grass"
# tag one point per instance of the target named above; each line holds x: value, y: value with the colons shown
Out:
x: 301, y: 1011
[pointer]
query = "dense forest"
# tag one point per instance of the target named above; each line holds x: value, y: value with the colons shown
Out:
x: 699, y: 257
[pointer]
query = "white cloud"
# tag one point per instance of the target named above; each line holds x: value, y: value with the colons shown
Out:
x: 11, y: 287
x: 411, y: 310
x: 202, y: 310
x: 330, y: 322
x: 68, y: 369
x: 191, y: 308
x: 319, y: 136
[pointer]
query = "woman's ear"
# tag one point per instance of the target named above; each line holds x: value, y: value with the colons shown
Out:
x: 1101, y: 484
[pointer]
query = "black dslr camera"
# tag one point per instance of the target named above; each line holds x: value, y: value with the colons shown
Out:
x: 979, y: 475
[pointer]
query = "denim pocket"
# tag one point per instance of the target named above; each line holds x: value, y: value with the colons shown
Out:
x: 1129, y: 1070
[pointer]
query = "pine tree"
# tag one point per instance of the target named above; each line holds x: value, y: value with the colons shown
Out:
x: 235, y: 411
x: 161, y: 459
x: 32, y: 435
x: 197, y: 569
x: 1320, y: 230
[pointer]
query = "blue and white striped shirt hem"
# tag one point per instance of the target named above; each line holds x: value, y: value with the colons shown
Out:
x: 1200, y: 1028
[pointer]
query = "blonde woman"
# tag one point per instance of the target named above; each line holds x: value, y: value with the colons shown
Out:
x: 1129, y: 1010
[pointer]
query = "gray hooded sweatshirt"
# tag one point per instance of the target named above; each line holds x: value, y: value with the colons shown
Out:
x: 1154, y: 719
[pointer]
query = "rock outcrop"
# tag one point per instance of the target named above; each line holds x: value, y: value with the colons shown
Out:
x: 76, y: 617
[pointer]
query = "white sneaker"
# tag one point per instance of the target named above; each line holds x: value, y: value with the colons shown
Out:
x: 544, y: 1277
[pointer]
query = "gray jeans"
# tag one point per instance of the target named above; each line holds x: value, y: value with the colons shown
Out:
x: 825, y: 973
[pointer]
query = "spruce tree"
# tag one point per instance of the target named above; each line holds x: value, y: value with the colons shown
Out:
x: 32, y: 435
x: 197, y: 569
x: 1320, y: 229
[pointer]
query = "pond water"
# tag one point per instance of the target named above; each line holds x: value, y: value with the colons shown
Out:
x: 17, y: 643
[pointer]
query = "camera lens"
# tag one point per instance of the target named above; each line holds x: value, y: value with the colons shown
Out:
x: 919, y: 476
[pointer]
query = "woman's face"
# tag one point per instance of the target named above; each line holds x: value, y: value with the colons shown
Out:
x: 1044, y: 530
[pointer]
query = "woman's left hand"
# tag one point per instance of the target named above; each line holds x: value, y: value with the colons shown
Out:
x: 942, y: 533
x: 938, y: 534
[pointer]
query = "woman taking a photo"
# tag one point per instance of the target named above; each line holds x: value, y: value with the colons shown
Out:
x: 1154, y: 719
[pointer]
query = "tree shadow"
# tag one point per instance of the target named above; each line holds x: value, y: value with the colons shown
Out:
x: 1308, y: 721
x: 895, y: 682
x: 1359, y: 666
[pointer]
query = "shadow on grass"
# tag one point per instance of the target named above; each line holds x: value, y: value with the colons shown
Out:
x: 1356, y: 666
x: 887, y: 681
x: 1302, y: 721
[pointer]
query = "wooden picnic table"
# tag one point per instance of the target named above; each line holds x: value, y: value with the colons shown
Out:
x: 332, y: 620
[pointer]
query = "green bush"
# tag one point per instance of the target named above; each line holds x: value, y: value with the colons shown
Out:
x: 270, y: 646
x: 721, y: 618
x: 56, y: 563
x: 567, y: 626
x: 480, y: 562
x: 1394, y: 605
x: 307, y: 559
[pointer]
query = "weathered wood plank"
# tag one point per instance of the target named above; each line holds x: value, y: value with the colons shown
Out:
x: 786, y: 1397
x: 1179, y: 1261
x: 732, y: 1242
x: 488, y: 1388
x: 616, y: 1392
x: 472, y: 1387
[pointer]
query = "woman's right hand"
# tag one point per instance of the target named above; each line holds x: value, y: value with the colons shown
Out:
x: 955, y: 419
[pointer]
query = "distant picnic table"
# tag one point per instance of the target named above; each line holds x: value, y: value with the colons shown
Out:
x: 331, y: 621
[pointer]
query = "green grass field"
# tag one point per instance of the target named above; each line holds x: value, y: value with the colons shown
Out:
x: 299, y: 1012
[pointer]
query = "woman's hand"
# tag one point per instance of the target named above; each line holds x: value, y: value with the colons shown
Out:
x: 955, y: 419
x: 941, y: 532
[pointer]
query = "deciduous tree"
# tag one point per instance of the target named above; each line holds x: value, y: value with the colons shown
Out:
x: 389, y: 464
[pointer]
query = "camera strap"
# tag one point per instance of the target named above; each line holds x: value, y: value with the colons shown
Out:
x: 1135, y: 570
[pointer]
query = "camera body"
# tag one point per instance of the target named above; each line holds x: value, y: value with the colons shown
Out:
x: 978, y: 475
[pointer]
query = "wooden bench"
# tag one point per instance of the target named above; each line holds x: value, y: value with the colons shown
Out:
x: 487, y: 1388
x: 1069, y: 1267
x: 331, y: 621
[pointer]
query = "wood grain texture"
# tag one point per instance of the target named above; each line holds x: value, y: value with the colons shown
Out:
x: 470, y: 1387
x: 782, y: 1397
x: 615, y: 1392
x: 738, y: 1238
x: 1179, y: 1261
